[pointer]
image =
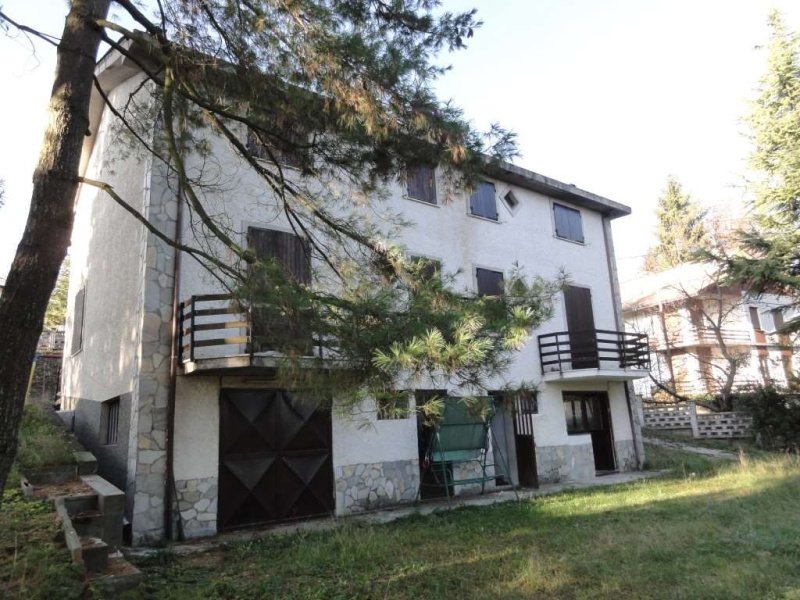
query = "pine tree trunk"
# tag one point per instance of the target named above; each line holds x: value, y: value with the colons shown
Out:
x: 47, y: 234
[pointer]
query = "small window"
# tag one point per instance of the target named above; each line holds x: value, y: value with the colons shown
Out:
x: 568, y: 223
x: 421, y: 184
x: 490, y: 283
x: 483, y: 202
x: 392, y: 406
x: 754, y: 319
x: 777, y: 318
x: 511, y: 201
x: 77, y: 321
x: 109, y: 422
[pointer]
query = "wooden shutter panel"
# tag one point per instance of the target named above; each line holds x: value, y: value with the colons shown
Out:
x: 290, y: 250
x: 490, y: 283
x: 483, y: 202
x: 421, y: 184
x: 293, y: 254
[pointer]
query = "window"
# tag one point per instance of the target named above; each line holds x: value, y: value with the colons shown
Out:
x: 270, y: 329
x: 568, y: 223
x: 289, y: 250
x: 483, y: 203
x: 421, y: 184
x: 109, y: 424
x: 490, y: 283
x: 754, y: 319
x: 77, y: 321
x: 511, y: 201
x: 393, y: 406
x: 777, y: 318
x: 582, y: 414
x: 429, y: 268
x: 290, y: 156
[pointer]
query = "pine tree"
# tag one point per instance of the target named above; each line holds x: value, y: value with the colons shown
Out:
x: 769, y: 260
x: 680, y: 230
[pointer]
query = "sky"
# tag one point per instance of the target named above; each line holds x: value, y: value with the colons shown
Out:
x: 610, y: 95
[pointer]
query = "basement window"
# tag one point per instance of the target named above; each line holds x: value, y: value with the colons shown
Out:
x: 109, y: 422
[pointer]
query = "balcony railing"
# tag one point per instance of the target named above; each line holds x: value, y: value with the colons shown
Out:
x: 596, y: 349
x: 212, y: 326
x: 215, y: 326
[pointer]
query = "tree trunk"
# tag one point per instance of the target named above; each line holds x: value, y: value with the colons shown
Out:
x: 47, y: 234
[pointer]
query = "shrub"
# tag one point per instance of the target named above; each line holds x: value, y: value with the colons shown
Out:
x: 776, y: 417
x: 42, y: 442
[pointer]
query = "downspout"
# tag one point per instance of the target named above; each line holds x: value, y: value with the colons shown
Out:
x: 616, y: 301
x: 170, y: 495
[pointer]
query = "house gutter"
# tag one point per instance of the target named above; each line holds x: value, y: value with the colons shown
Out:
x: 616, y: 301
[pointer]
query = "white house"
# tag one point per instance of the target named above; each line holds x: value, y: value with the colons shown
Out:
x: 229, y: 449
x: 698, y: 326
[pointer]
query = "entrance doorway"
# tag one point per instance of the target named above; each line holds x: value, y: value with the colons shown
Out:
x: 588, y: 412
x: 275, y: 460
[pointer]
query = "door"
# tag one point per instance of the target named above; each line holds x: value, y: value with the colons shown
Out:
x: 523, y: 407
x: 588, y: 412
x: 580, y: 325
x: 271, y: 328
x: 275, y: 458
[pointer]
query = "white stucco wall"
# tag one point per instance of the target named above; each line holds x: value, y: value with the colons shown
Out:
x: 462, y: 242
x: 361, y: 438
x: 106, y: 257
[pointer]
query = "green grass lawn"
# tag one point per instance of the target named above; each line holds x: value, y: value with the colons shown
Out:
x: 711, y: 530
x: 730, y: 445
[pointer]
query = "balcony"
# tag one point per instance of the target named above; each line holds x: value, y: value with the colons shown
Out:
x: 217, y: 336
x: 597, y: 355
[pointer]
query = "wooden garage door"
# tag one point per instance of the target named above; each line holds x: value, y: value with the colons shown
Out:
x: 275, y: 458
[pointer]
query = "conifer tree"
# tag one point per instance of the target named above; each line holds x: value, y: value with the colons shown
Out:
x: 680, y: 230
x: 769, y: 260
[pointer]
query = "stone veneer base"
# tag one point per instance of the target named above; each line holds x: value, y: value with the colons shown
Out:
x: 197, y: 503
x: 565, y: 463
x: 368, y: 486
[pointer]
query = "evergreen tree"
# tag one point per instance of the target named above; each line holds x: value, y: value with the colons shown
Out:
x: 769, y: 260
x: 680, y: 230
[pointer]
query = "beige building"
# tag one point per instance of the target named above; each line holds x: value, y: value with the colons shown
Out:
x: 706, y: 336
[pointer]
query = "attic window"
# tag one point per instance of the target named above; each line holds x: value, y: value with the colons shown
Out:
x: 568, y: 223
x: 511, y: 201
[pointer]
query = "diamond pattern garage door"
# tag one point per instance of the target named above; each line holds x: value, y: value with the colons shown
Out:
x: 275, y: 458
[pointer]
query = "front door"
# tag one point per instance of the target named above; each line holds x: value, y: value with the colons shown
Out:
x: 580, y: 324
x: 588, y: 412
x: 275, y: 458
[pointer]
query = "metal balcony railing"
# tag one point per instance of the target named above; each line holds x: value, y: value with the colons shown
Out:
x: 596, y: 349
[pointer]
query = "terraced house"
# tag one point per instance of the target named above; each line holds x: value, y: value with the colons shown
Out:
x: 227, y: 446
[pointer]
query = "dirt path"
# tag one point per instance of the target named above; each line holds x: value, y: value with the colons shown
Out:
x: 709, y: 452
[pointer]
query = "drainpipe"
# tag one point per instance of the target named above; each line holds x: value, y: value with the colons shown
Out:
x: 616, y: 302
x: 170, y: 495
